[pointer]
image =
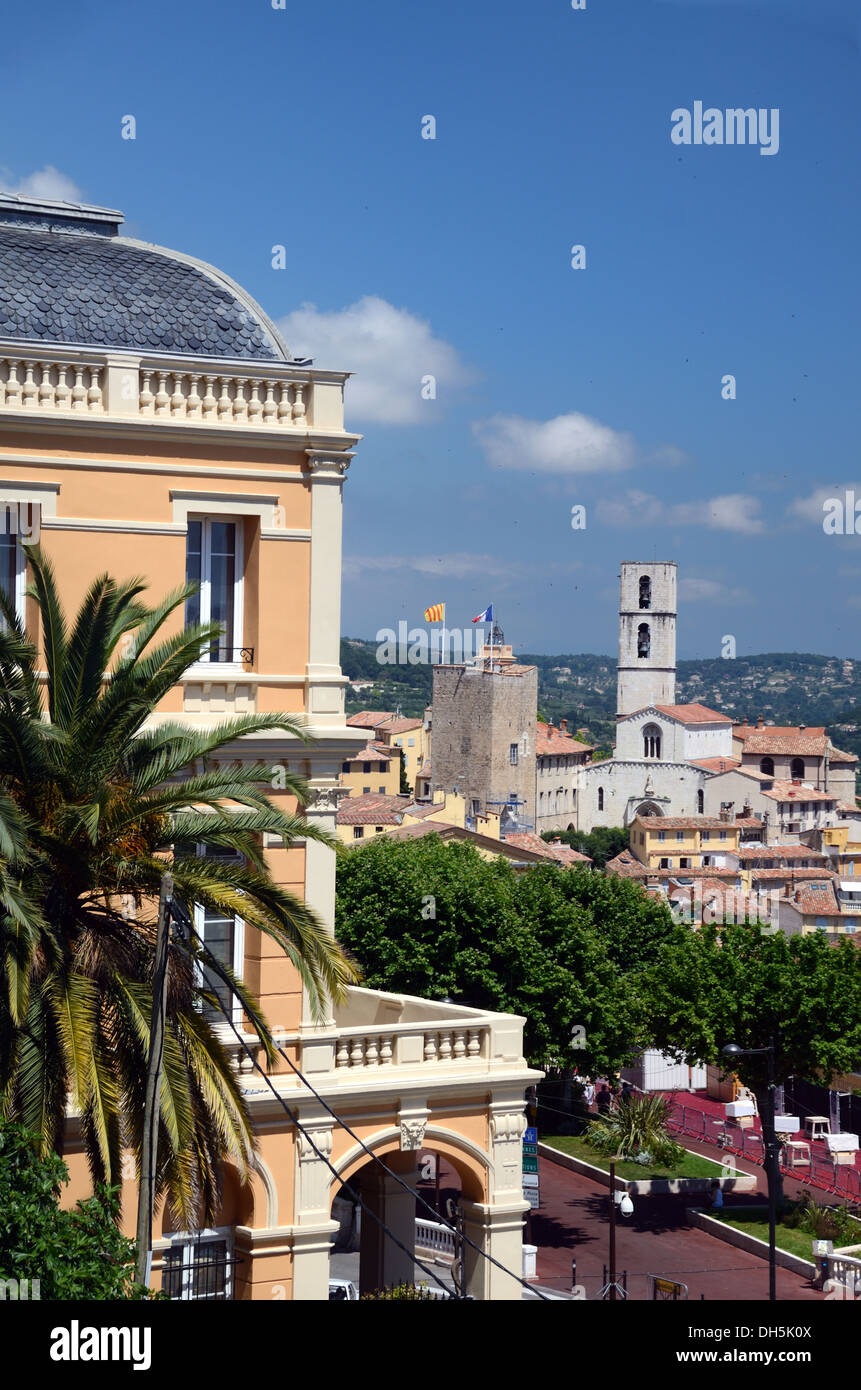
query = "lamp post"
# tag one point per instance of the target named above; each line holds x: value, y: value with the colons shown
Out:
x: 732, y: 1051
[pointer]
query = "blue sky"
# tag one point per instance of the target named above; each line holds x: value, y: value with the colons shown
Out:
x: 450, y: 257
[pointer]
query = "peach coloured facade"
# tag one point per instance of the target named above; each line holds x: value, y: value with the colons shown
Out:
x: 116, y: 481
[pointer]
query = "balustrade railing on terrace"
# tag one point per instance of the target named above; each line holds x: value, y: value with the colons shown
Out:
x: 268, y: 395
x: 373, y: 1032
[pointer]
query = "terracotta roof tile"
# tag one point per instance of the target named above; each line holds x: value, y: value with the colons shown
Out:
x: 791, y: 791
x: 693, y: 714
x: 549, y: 740
x: 369, y: 718
x: 373, y: 810
x: 393, y: 725
x: 561, y: 853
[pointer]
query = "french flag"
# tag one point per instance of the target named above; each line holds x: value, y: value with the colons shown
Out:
x: 486, y: 616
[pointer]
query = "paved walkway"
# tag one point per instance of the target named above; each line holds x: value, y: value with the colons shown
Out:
x: 573, y: 1222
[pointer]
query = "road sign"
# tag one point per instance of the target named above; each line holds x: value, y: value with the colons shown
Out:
x: 532, y: 1196
x: 530, y: 1179
x: 530, y: 1135
x: 530, y: 1163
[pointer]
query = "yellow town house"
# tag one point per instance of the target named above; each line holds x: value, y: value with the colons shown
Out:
x: 153, y: 422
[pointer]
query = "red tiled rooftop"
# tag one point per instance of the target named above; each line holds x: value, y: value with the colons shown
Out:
x: 792, y: 791
x: 716, y: 764
x: 373, y: 810
x: 693, y: 714
x: 561, y: 853
x: 393, y: 725
x: 369, y: 718
x: 549, y: 740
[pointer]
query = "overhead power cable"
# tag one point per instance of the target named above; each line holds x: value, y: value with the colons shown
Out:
x: 463, y: 1238
x: 180, y: 914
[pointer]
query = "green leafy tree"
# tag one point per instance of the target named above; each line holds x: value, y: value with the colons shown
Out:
x: 435, y: 919
x: 76, y: 1254
x: 736, y: 984
x: 601, y: 844
x: 96, y: 801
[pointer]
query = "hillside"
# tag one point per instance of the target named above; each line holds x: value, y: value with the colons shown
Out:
x: 784, y: 687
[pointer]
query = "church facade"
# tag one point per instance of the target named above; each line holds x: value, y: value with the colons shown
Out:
x: 686, y: 759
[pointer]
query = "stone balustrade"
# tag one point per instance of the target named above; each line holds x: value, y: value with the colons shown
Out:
x: 385, y: 1032
x: 41, y: 384
x: 264, y: 396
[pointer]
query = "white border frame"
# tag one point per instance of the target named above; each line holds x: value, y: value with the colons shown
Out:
x: 205, y: 666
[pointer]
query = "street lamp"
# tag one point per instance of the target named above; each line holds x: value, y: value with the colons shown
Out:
x: 733, y: 1051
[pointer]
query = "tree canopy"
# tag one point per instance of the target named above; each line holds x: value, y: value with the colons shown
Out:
x: 73, y: 1254
x: 736, y: 984
x: 554, y: 945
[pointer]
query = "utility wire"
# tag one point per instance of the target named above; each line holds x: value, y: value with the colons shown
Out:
x: 180, y: 914
x: 466, y: 1240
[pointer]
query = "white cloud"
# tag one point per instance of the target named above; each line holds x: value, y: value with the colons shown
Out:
x: 572, y: 443
x: 692, y: 590
x: 811, y: 508
x: 43, y: 183
x: 735, y: 511
x: 458, y: 565
x: 390, y: 350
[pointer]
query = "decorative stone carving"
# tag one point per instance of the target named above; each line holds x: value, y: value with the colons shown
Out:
x: 333, y: 462
x: 412, y: 1134
x: 326, y: 798
x: 323, y: 1140
x: 507, y: 1125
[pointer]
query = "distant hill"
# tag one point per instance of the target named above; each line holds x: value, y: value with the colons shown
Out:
x: 783, y: 687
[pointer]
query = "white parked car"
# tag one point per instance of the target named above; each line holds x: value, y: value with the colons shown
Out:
x: 342, y: 1289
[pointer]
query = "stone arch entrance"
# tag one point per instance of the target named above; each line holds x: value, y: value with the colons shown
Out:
x: 381, y: 1262
x: 647, y: 808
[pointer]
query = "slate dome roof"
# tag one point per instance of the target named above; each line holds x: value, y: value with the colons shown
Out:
x: 68, y: 277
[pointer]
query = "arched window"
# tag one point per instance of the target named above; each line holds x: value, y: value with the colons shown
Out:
x: 644, y: 641
x: 797, y: 768
x: 766, y: 765
x: 651, y: 741
x: 700, y: 801
x: 645, y: 592
x: 600, y: 798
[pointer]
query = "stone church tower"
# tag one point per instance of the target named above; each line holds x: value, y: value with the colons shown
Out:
x: 647, y: 636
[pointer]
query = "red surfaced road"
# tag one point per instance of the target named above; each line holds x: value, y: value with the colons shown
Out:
x: 573, y: 1222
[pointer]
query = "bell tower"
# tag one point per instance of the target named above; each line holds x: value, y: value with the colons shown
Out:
x: 647, y: 636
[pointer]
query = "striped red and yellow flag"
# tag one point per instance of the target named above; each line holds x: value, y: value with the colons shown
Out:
x: 435, y: 614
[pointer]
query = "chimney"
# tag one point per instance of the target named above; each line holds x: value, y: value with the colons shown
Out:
x: 563, y: 724
x: 760, y: 723
x: 744, y: 722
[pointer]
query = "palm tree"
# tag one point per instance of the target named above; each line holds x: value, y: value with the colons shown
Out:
x: 96, y: 801
x: 636, y: 1127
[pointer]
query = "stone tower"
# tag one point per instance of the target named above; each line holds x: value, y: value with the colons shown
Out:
x: 484, y: 729
x: 647, y: 636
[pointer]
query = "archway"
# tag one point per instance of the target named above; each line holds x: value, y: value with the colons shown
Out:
x: 372, y: 1260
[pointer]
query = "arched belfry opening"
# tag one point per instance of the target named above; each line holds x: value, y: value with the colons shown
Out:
x: 645, y: 591
x: 651, y: 741
x: 644, y: 640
